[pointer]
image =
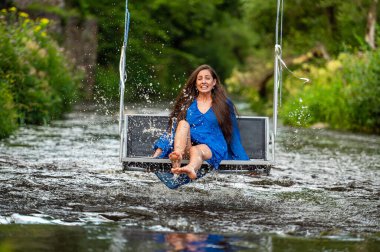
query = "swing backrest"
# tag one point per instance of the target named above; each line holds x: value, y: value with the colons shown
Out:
x: 143, y: 130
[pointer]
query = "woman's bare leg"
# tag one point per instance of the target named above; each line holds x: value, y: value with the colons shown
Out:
x: 182, y: 143
x: 198, y: 154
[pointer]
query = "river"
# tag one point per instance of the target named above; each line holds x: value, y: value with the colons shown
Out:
x: 62, y: 189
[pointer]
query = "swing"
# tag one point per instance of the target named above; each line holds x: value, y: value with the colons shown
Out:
x: 139, y: 132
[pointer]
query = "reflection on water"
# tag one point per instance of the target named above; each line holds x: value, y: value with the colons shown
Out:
x: 116, y: 238
x: 323, y: 193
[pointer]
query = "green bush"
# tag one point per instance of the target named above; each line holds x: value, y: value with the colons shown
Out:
x: 345, y: 94
x: 39, y: 83
x: 8, y: 113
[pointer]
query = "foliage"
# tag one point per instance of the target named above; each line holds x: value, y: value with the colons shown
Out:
x: 168, y: 39
x: 8, y: 112
x: 343, y: 97
x: 36, y: 81
x: 106, y: 79
x: 334, y: 23
x: 344, y: 93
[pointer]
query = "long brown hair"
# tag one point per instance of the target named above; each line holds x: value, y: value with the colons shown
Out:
x: 219, y: 105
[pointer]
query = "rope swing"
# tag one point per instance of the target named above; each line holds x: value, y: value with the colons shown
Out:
x: 122, y: 72
x: 279, y: 64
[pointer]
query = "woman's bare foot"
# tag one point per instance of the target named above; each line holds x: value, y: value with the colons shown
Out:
x: 176, y: 159
x: 188, y: 170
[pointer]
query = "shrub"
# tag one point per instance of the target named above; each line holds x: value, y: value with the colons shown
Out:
x: 40, y: 83
x: 8, y: 113
x: 344, y: 93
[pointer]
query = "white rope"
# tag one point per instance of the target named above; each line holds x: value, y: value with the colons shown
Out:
x: 278, y: 52
x: 122, y: 71
x: 279, y: 64
x: 123, y: 77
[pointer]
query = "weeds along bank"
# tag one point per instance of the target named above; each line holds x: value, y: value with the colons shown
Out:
x: 37, y: 84
x: 344, y: 94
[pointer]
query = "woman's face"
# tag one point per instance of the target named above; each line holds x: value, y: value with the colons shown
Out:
x: 205, y: 81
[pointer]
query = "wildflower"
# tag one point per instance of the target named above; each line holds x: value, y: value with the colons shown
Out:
x: 12, y: 9
x: 44, y: 21
x: 42, y: 53
x: 23, y: 14
x: 4, y: 11
x: 32, y: 71
x: 37, y: 28
x: 334, y: 65
x: 31, y: 45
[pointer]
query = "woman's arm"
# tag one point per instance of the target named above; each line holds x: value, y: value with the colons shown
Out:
x: 157, y: 153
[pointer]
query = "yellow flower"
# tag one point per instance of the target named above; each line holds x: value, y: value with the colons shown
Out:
x: 44, y: 21
x: 4, y: 11
x: 13, y: 9
x: 23, y: 14
x: 43, y: 34
x: 37, y: 28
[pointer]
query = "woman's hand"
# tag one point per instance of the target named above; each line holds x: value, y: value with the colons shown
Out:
x: 157, y: 153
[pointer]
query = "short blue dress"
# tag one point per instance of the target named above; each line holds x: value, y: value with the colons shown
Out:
x: 204, y: 129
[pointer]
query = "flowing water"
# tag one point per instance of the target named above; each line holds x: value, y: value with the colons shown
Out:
x: 62, y: 189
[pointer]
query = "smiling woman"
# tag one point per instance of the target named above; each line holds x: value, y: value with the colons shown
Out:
x: 207, y: 127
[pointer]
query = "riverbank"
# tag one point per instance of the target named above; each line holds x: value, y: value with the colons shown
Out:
x: 342, y: 93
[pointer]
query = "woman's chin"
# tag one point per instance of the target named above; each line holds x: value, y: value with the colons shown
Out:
x: 204, y: 91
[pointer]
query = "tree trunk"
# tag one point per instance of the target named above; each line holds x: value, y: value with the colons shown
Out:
x: 371, y: 25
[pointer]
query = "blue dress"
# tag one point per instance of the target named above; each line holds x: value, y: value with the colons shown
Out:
x: 204, y: 129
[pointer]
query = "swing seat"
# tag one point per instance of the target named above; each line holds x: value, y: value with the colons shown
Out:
x: 139, y: 132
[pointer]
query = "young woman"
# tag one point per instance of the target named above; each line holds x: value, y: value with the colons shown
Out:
x: 205, y: 126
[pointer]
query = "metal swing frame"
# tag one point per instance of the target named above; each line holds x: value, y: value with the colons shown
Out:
x: 142, y: 161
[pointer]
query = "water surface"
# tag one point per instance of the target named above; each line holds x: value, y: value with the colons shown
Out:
x: 65, y: 181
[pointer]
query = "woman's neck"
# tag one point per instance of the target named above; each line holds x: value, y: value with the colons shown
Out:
x: 204, y: 97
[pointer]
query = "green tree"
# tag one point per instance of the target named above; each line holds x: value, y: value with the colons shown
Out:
x: 167, y: 39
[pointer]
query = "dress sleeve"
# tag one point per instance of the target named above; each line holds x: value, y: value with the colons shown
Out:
x: 165, y: 143
x: 235, y: 148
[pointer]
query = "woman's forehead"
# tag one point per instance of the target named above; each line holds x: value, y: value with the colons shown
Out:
x: 204, y: 72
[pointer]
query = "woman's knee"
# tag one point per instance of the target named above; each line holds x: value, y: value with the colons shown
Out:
x: 201, y: 150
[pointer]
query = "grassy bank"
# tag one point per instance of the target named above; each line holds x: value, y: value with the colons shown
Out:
x: 344, y: 94
x: 37, y: 84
